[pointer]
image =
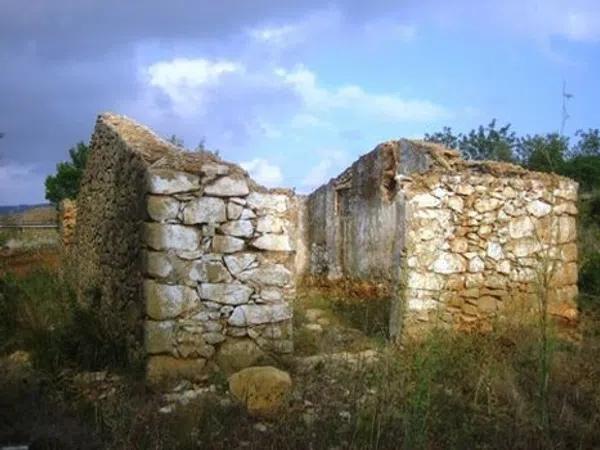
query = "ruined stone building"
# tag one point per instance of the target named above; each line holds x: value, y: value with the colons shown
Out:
x: 190, y: 258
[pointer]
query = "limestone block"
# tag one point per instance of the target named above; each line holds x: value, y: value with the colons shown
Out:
x: 418, y: 304
x: 268, y: 203
x: 248, y: 315
x: 216, y: 272
x: 169, y: 236
x: 520, y: 227
x: 226, y: 293
x: 227, y: 244
x: 456, y: 204
x: 486, y: 204
x: 427, y: 282
x: 263, y: 390
x: 569, y: 252
x: 464, y: 189
x: 161, y: 208
x: 425, y: 200
x: 159, y: 336
x: 447, y: 263
x: 165, y: 301
x: 239, y: 262
x: 476, y: 265
x: 269, y: 224
x: 459, y: 245
x: 165, y: 181
x: 227, y: 187
x: 240, y: 228
x: 494, y: 251
x: 267, y: 275
x: 205, y: 210
x: 158, y: 264
x: 273, y: 242
x: 565, y: 208
x: 247, y: 214
x: 234, y: 211
x: 525, y: 247
x: 271, y: 295
x: 538, y: 208
x: 567, y: 229
x: 162, y: 369
x: 197, y: 271
x: 567, y: 190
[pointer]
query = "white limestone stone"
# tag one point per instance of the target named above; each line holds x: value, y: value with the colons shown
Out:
x: 165, y: 181
x: 225, y: 293
x: 239, y: 262
x: 520, y: 227
x: 160, y: 236
x: 447, y: 263
x: 240, y: 228
x: 268, y: 203
x: 269, y: 224
x: 227, y: 244
x: 425, y: 200
x: 494, y: 251
x: 205, y: 210
x: 273, y: 242
x: 227, y: 187
x: 161, y: 208
x: 539, y: 208
x: 248, y: 315
x: 158, y: 264
x: 476, y: 265
x: 267, y: 275
x: 164, y: 301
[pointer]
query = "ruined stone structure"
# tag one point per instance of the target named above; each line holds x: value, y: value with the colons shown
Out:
x: 187, y: 249
x: 461, y: 240
x: 194, y: 262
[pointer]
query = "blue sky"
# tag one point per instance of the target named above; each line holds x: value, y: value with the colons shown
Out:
x: 294, y: 91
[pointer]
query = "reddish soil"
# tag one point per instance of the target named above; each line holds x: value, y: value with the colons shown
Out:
x: 21, y: 263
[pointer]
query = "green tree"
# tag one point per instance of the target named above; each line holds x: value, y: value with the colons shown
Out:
x: 545, y: 153
x: 65, y: 183
x: 485, y: 142
x: 445, y: 137
x: 589, y: 142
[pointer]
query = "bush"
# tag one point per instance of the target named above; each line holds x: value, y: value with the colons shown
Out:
x: 39, y: 313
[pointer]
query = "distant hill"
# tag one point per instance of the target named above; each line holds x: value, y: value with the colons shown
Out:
x: 11, y: 209
x: 23, y: 214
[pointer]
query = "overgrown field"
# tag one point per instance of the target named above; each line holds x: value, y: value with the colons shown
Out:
x: 65, y: 384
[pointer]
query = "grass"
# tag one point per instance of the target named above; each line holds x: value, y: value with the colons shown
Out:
x: 446, y: 390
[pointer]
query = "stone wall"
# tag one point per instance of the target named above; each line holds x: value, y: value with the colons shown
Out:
x: 202, y: 253
x: 460, y: 240
x: 192, y: 264
x: 480, y: 239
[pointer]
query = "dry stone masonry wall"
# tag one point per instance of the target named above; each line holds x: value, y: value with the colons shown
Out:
x: 479, y: 240
x: 461, y: 241
x: 208, y: 257
x: 193, y: 265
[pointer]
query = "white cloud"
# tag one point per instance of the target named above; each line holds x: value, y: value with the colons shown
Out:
x: 186, y: 80
x: 353, y: 98
x: 334, y: 162
x: 264, y: 172
x: 285, y: 35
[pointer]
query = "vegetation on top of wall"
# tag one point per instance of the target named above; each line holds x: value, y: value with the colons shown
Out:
x: 65, y: 183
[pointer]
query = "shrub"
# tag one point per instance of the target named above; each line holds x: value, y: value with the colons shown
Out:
x: 39, y: 313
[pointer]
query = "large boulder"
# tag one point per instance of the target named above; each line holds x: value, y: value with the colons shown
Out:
x: 263, y: 390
